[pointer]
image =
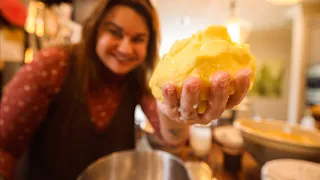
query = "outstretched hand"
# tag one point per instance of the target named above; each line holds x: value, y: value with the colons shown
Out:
x: 184, y: 110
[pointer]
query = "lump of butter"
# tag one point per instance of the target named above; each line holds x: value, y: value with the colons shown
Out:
x: 201, y: 55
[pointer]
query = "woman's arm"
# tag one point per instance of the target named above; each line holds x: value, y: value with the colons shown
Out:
x: 25, y: 101
x: 171, y: 132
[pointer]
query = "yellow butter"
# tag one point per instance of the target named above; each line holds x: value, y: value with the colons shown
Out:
x: 202, y: 55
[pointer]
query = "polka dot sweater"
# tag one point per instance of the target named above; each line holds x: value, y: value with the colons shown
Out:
x: 26, y: 99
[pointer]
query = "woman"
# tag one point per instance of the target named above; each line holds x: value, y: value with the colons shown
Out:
x: 71, y: 106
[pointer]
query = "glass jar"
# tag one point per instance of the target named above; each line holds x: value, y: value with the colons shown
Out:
x: 200, y: 140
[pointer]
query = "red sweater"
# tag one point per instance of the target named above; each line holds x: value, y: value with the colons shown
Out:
x: 27, y: 97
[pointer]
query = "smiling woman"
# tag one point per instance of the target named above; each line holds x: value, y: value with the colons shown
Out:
x: 70, y: 97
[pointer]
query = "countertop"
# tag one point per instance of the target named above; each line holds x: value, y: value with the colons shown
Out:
x: 250, y: 170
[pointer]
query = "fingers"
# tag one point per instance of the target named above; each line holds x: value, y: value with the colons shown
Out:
x: 242, y: 84
x: 171, y: 98
x: 170, y: 95
x: 218, y: 96
x: 190, y: 99
x: 185, y: 109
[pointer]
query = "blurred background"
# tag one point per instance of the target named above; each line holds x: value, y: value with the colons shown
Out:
x: 283, y: 34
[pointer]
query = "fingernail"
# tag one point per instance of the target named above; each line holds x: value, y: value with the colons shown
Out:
x: 223, y: 81
x: 170, y: 91
x: 194, y: 88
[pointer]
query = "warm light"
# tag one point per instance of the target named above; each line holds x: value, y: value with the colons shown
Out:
x: 238, y: 28
x: 234, y: 32
x: 34, y: 23
x: 284, y: 2
x: 28, y: 56
x: 31, y: 18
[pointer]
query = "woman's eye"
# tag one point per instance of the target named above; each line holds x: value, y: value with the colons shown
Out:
x: 115, y: 33
x: 138, y: 40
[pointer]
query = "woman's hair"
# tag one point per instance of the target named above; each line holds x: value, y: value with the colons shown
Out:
x: 87, y: 61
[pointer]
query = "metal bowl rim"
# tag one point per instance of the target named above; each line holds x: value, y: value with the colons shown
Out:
x: 118, y: 153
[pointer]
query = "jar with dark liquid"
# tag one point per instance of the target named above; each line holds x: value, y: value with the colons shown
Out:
x: 313, y: 92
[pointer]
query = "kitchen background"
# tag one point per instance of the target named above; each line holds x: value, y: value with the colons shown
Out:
x: 283, y: 37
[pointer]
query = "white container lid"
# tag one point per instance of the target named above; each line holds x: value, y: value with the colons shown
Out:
x: 290, y: 169
x: 229, y: 136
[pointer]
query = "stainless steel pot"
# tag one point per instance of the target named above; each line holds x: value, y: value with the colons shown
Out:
x: 136, y: 165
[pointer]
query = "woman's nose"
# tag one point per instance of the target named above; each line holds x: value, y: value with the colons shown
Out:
x: 125, y: 47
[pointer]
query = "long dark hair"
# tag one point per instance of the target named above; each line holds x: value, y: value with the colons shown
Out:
x: 88, y: 63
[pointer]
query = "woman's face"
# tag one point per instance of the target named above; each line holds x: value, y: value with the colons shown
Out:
x: 122, y: 39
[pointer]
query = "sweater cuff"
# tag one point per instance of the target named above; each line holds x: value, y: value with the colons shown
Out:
x: 7, y: 165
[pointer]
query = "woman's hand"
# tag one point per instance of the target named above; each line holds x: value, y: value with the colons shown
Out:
x: 184, y: 109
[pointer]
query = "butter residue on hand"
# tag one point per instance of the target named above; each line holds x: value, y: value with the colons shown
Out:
x: 202, y: 55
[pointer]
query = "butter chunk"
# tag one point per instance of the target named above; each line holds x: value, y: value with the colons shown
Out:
x: 202, y: 55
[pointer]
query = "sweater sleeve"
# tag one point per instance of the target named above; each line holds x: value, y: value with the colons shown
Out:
x: 25, y: 101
